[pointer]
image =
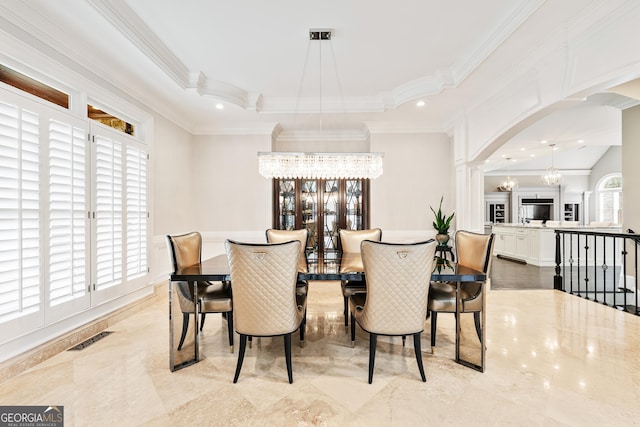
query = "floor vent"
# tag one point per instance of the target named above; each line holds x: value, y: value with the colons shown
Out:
x: 86, y: 343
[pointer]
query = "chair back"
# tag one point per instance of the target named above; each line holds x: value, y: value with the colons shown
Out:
x: 281, y: 236
x: 398, y: 278
x: 185, y: 249
x: 474, y: 250
x: 263, y: 279
x: 350, y: 239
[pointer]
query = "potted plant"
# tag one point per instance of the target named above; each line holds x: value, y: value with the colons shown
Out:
x: 442, y: 224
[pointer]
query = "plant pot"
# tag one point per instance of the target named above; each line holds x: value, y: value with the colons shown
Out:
x: 442, y: 239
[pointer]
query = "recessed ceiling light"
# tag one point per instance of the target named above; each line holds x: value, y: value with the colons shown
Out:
x: 504, y: 155
x: 580, y: 141
x: 219, y: 106
x: 532, y: 155
x: 544, y: 141
x: 523, y: 149
x: 555, y: 148
x: 420, y: 103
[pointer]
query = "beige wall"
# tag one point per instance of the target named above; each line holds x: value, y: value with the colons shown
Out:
x: 228, y: 192
x: 418, y: 170
x: 630, y: 169
x: 172, y: 181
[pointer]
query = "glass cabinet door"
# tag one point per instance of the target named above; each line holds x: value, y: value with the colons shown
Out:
x: 309, y: 209
x: 353, y: 203
x: 331, y: 210
x: 322, y: 206
x: 287, y: 205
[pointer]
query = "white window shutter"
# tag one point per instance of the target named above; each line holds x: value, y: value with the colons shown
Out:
x: 20, y: 280
x: 109, y: 212
x: 136, y: 208
x: 67, y: 212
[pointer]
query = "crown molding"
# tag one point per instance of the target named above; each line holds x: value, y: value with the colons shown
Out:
x: 323, y: 136
x: 464, y: 68
x: 119, y: 14
x: 248, y: 129
x: 380, y: 128
x: 537, y: 172
x: 312, y: 105
x: 125, y: 20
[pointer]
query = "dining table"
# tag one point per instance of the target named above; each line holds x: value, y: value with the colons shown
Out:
x: 333, y: 266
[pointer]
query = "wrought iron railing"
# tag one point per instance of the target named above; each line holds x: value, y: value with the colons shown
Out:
x: 598, y: 265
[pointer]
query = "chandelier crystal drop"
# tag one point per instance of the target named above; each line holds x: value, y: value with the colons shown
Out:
x: 320, y: 165
x: 552, y: 175
x: 508, y: 184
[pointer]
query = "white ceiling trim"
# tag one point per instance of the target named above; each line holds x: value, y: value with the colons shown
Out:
x: 526, y: 9
x: 537, y: 172
x: 323, y: 136
x: 451, y: 78
x: 133, y: 28
x: 258, y: 129
x: 401, y: 128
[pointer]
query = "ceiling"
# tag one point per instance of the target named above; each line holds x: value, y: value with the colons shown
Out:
x: 254, y: 58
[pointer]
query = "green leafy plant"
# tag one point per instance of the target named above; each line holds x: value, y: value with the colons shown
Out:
x: 442, y: 221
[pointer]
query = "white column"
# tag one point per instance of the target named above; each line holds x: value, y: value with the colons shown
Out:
x: 469, y: 198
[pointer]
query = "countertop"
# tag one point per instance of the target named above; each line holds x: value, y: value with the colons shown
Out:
x: 545, y: 227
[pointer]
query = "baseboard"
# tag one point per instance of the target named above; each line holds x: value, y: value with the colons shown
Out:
x: 512, y: 259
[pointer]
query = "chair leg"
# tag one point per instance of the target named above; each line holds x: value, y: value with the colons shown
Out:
x: 346, y: 313
x: 287, y: 355
x: 476, y: 319
x: 243, y: 345
x: 434, y: 319
x: 230, y: 329
x: 418, y: 350
x: 404, y: 340
x: 185, y: 326
x: 303, y: 327
x: 353, y: 331
x: 373, y: 340
x: 202, y: 321
x: 250, y: 341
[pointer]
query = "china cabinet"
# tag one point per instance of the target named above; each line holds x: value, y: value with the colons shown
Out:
x: 323, y: 206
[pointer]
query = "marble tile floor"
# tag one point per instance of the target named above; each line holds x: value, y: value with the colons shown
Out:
x: 553, y: 360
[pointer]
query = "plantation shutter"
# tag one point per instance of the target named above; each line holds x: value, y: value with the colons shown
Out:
x: 19, y: 212
x: 67, y: 212
x: 136, y: 201
x: 109, y: 227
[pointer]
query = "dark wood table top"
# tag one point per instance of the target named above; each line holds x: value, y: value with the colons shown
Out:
x: 342, y: 267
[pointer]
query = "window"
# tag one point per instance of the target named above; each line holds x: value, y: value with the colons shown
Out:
x: 34, y: 87
x: 110, y: 120
x: 73, y: 214
x: 20, y: 238
x: 610, y: 198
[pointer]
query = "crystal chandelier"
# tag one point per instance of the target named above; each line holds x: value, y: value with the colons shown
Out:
x: 509, y: 184
x: 553, y: 175
x: 291, y: 165
x: 320, y: 165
